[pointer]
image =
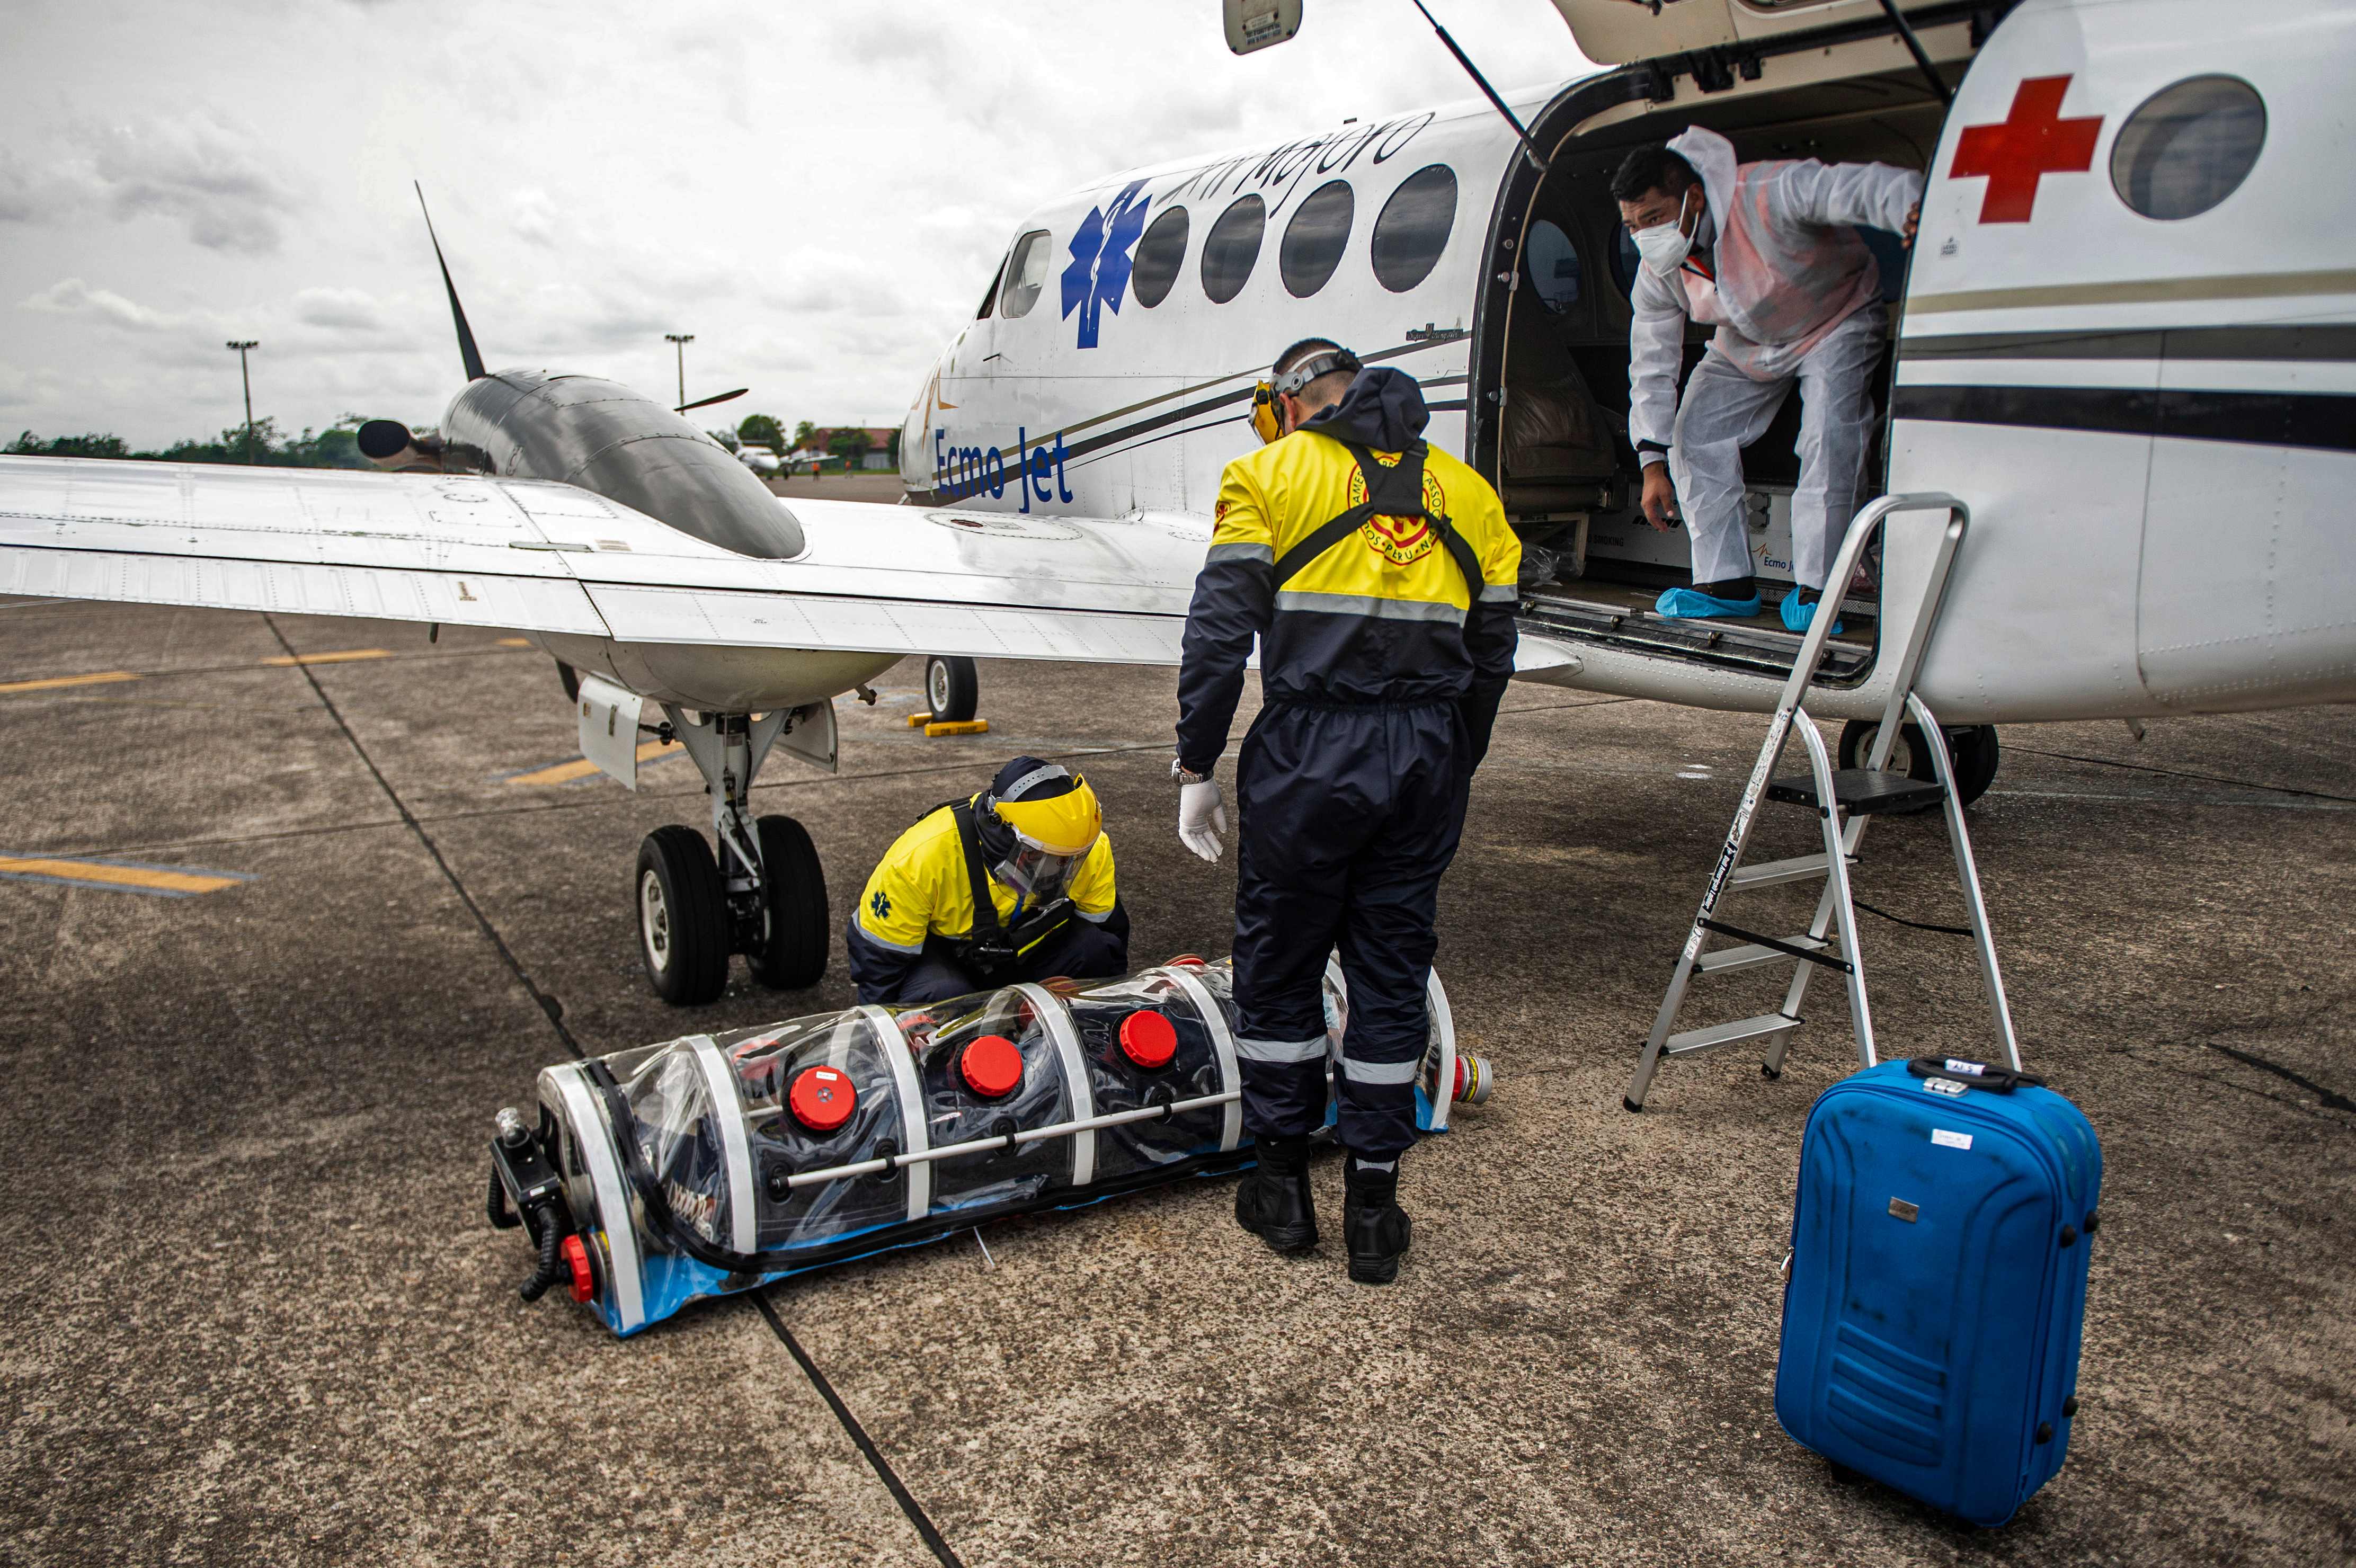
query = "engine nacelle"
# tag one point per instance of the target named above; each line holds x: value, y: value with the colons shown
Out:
x: 388, y: 444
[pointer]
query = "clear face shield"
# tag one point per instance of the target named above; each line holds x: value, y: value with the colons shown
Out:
x: 1033, y: 872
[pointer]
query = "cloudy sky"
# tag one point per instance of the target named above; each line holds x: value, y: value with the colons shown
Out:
x: 818, y: 192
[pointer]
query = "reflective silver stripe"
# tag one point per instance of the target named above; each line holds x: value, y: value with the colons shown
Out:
x: 1091, y: 915
x: 915, y: 1136
x: 1359, y: 1071
x: 1219, y: 553
x: 1367, y: 605
x: 728, y: 1112
x: 1501, y: 593
x: 1222, y: 1041
x: 1310, y: 1050
x: 1036, y: 775
x: 591, y: 1136
x: 884, y: 940
x: 1056, y: 1019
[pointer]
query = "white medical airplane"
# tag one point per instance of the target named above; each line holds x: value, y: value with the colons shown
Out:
x: 2127, y: 340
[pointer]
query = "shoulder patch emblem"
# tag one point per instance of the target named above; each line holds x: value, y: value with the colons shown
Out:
x: 882, y: 904
x: 1401, y: 540
x: 1219, y: 512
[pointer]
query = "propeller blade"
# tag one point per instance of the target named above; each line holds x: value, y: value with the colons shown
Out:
x: 707, y: 402
x: 468, y: 353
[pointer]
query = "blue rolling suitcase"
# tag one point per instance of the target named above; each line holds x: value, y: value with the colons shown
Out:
x: 1938, y: 1282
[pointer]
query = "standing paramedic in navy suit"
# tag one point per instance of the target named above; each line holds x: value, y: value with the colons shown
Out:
x: 1378, y: 575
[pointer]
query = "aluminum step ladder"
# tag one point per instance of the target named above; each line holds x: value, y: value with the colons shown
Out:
x: 1844, y: 801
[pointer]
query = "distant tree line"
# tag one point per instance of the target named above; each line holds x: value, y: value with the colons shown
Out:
x: 337, y: 447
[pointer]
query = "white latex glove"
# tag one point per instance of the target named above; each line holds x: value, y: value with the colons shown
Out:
x: 1202, y: 817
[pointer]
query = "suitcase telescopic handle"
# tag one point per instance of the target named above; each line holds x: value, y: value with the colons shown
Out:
x: 1975, y: 1074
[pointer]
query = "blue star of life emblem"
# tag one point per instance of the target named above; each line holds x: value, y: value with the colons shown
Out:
x: 1098, y: 273
x: 882, y: 904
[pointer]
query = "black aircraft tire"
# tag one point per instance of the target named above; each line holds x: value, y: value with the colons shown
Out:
x: 570, y: 679
x: 681, y: 910
x: 952, y: 687
x: 795, y: 934
x: 1971, y: 754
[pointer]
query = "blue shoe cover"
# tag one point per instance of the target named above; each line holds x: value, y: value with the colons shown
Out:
x: 1797, y: 615
x: 1685, y: 604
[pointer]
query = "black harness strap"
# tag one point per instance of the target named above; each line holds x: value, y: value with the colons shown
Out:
x: 989, y: 945
x: 1394, y: 491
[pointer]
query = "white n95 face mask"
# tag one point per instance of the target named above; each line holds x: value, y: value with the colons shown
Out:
x: 1664, y: 247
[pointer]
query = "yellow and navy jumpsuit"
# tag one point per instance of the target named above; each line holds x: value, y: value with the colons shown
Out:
x: 908, y: 939
x: 1382, y: 655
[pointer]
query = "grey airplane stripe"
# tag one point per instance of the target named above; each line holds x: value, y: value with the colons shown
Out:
x: 2327, y: 343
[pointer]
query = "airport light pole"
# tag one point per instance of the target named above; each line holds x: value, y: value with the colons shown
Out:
x: 246, y: 375
x: 680, y: 340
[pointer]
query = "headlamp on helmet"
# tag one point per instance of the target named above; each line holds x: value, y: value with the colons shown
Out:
x: 1268, y: 412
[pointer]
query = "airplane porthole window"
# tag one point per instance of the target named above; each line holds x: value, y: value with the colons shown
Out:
x: 1624, y: 260
x: 1413, y: 228
x: 1026, y: 274
x: 2189, y: 146
x: 1159, y: 256
x: 1553, y: 262
x: 1314, y: 240
x: 1232, y: 248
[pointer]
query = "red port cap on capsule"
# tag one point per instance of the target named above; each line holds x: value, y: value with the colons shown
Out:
x: 575, y: 1254
x: 822, y: 1098
x: 991, y: 1065
x: 1148, y: 1039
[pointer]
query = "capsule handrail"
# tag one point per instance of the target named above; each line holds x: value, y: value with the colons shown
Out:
x: 1003, y: 1142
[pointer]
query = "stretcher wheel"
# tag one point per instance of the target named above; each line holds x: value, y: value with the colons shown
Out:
x: 682, y: 913
x: 953, y: 687
x: 794, y: 938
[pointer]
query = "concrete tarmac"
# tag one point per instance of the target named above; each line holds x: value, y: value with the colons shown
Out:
x: 250, y: 1312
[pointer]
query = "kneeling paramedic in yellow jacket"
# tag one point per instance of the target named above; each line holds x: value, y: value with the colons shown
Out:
x: 1029, y: 855
x: 1377, y: 574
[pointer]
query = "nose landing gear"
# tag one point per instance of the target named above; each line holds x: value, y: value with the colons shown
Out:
x: 763, y: 895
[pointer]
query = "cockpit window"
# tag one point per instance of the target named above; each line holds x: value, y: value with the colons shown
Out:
x: 1553, y: 262
x: 1314, y: 240
x: 990, y: 294
x: 1232, y: 248
x: 1413, y: 228
x: 1026, y: 274
x: 1159, y: 256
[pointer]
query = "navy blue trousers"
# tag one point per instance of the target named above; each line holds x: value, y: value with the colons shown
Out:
x: 1349, y: 815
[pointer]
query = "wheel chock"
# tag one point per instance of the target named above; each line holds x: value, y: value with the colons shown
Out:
x: 958, y: 727
x: 918, y: 720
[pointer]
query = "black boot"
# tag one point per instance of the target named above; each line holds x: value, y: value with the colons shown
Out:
x: 1273, y: 1201
x: 1373, y: 1224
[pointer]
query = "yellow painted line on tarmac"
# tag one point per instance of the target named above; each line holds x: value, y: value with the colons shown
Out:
x: 341, y: 655
x: 57, y: 682
x: 581, y: 767
x: 515, y: 642
x: 118, y: 876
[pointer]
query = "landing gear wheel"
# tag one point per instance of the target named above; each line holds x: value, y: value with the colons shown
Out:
x: 1971, y: 754
x: 953, y: 687
x: 682, y: 912
x: 791, y: 954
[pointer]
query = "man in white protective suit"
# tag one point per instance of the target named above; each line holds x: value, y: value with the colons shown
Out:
x: 1766, y: 254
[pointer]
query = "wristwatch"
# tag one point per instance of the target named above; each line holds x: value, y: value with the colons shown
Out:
x: 1182, y: 775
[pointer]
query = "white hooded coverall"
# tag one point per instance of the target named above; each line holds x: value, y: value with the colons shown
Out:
x: 1786, y: 285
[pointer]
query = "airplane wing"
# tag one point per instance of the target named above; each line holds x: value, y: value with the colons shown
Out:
x: 535, y: 556
x: 532, y: 556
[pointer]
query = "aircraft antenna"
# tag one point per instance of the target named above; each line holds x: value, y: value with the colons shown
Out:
x: 468, y: 353
x: 1482, y: 83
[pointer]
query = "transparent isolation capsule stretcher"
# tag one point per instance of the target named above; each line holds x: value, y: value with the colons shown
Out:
x: 715, y: 1163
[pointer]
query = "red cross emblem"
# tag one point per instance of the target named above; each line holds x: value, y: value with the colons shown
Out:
x: 2031, y: 142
